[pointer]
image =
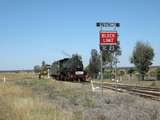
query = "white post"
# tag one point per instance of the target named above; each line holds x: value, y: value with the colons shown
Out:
x: 92, y: 86
x: 48, y: 74
x: 4, y: 79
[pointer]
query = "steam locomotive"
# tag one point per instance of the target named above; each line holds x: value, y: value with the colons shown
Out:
x: 69, y: 69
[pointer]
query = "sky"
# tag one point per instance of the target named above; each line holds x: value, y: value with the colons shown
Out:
x: 35, y: 30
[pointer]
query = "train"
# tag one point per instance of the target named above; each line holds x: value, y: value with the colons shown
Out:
x: 68, y: 69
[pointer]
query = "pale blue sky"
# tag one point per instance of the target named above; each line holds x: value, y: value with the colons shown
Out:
x: 36, y: 30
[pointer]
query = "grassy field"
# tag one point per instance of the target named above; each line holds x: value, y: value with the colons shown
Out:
x: 17, y: 76
x: 57, y: 100
x: 41, y: 100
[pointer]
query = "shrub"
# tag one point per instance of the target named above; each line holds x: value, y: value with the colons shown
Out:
x: 158, y: 73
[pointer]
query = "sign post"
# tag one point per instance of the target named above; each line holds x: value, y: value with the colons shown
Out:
x: 108, y: 41
x: 101, y: 61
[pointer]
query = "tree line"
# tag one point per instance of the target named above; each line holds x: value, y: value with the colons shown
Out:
x: 142, y: 58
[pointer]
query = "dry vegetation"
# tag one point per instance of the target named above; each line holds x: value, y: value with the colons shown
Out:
x: 54, y: 100
x: 17, y: 75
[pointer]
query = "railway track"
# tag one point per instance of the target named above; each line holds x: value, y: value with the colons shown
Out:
x: 146, y: 92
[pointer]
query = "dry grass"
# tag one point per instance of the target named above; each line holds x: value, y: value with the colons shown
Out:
x: 123, y: 107
x: 21, y: 103
x: 54, y: 100
x: 17, y: 76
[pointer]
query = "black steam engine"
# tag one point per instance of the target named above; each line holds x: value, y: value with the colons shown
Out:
x: 69, y: 69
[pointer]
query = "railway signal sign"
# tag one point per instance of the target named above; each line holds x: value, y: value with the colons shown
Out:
x: 108, y: 41
x: 108, y: 38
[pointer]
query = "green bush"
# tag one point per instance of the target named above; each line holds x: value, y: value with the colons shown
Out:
x: 158, y: 73
x: 107, y: 74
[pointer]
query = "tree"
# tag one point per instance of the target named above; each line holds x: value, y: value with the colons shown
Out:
x: 94, y: 64
x: 158, y: 73
x: 110, y: 54
x: 130, y: 72
x: 37, y: 69
x: 142, y: 57
x: 43, y: 63
x: 107, y: 74
x: 44, y: 69
x: 41, y: 70
x: 121, y: 73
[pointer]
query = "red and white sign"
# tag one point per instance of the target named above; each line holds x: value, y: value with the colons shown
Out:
x: 108, y: 38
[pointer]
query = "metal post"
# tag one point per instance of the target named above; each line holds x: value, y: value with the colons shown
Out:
x: 115, y: 66
x: 115, y: 70
x: 101, y: 60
